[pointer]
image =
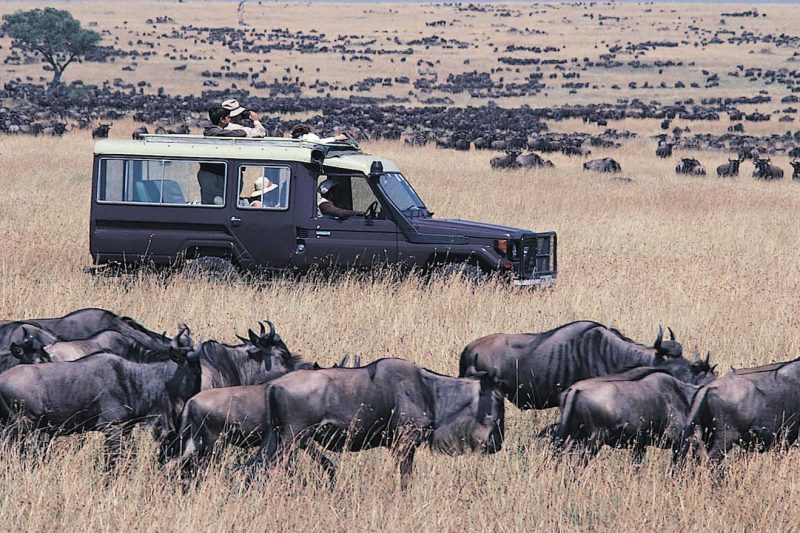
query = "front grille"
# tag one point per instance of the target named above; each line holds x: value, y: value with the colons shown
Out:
x: 538, y: 255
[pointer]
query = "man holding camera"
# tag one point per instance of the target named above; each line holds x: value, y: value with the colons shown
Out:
x: 237, y: 114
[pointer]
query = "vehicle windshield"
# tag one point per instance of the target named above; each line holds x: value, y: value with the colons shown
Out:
x: 400, y: 193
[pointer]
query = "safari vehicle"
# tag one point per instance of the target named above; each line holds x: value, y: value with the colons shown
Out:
x: 170, y: 199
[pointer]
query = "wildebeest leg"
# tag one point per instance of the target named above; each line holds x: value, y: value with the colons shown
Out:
x: 406, y: 462
x: 316, y: 453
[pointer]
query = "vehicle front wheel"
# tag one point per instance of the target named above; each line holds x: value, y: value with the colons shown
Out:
x: 212, y: 268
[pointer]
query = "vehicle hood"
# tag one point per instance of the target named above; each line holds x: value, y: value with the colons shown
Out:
x: 452, y: 226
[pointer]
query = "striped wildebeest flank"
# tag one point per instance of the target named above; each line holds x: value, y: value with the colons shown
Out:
x: 687, y: 165
x: 225, y: 416
x: 606, y: 164
x: 731, y: 168
x: 535, y: 368
x: 763, y: 170
x: 641, y: 407
x: 756, y: 408
x: 389, y: 403
x: 102, y: 392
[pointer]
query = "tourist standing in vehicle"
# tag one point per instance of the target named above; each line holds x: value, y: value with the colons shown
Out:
x: 237, y: 114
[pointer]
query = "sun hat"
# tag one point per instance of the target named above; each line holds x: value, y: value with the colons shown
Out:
x: 262, y: 186
x: 231, y: 104
x: 238, y: 111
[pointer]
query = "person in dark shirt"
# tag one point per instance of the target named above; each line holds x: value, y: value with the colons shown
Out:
x: 221, y: 117
x: 211, y: 176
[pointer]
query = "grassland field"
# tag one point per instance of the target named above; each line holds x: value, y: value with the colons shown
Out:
x: 715, y: 259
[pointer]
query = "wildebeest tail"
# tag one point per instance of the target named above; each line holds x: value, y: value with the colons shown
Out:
x: 269, y: 444
x: 567, y: 407
x: 466, y: 362
x: 696, y: 418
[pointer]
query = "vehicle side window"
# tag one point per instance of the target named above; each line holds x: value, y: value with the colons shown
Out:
x: 161, y: 181
x: 349, y: 192
x: 264, y: 187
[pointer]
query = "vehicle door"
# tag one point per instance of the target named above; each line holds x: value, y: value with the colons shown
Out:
x: 261, y: 218
x: 356, y: 241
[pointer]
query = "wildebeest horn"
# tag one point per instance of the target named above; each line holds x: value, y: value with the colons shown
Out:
x: 242, y: 338
x: 659, y: 337
x: 253, y: 337
x: 671, y: 333
x: 271, y: 329
x: 263, y: 329
x: 708, y: 356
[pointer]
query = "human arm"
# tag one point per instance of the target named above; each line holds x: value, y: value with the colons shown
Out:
x: 327, y: 208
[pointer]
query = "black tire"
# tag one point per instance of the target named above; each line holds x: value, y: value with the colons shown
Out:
x: 212, y: 268
x: 465, y: 271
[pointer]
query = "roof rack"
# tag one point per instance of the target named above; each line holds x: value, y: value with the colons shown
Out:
x: 249, y: 141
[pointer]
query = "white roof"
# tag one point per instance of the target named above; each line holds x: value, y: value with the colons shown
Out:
x: 340, y: 155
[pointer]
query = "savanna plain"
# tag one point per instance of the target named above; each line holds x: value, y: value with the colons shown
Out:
x: 715, y: 259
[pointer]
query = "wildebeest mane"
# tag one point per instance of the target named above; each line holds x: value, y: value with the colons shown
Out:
x: 226, y: 371
x: 141, y: 329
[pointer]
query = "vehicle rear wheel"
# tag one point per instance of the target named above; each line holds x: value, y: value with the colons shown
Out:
x: 212, y: 268
x: 454, y: 271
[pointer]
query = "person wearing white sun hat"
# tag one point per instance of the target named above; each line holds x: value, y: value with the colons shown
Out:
x: 237, y: 112
x: 261, y: 194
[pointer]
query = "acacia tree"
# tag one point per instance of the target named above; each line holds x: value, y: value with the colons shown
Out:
x: 52, y: 33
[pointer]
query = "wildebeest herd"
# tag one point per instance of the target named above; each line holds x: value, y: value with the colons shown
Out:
x: 94, y: 370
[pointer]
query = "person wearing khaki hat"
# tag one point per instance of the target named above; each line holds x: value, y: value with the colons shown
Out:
x: 261, y: 193
x: 237, y: 113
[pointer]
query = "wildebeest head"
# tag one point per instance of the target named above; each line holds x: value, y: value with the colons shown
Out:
x: 30, y: 349
x: 268, y: 348
x: 479, y: 426
x: 182, y: 345
x: 669, y: 349
x: 697, y: 372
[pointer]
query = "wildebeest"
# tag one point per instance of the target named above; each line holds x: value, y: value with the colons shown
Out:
x: 138, y: 133
x: 234, y: 413
x: 108, y: 341
x: 641, y: 407
x: 101, y: 131
x: 84, y: 323
x: 664, y: 150
x: 756, y: 408
x: 23, y: 343
x: 258, y: 359
x: 765, y: 171
x: 602, y: 165
x: 796, y: 171
x: 731, y: 168
x: 534, y: 368
x: 102, y: 392
x: 390, y: 403
x: 688, y: 165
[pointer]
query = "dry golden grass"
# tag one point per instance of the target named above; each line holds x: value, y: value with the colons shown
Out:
x: 715, y: 259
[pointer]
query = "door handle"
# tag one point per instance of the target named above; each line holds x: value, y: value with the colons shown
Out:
x: 235, y: 221
x: 323, y: 233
